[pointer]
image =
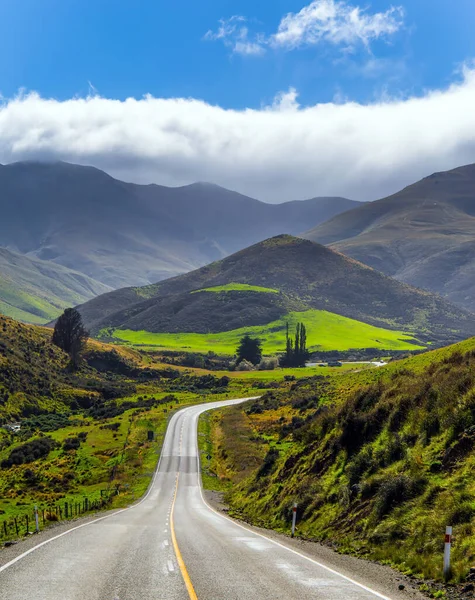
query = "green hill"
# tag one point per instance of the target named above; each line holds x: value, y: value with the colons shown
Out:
x: 36, y: 291
x: 379, y: 461
x: 307, y: 277
x: 327, y: 332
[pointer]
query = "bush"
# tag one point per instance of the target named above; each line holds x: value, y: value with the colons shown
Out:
x: 244, y: 365
x: 29, y: 452
x: 72, y: 443
x: 395, y: 491
x: 268, y: 364
x: 268, y: 464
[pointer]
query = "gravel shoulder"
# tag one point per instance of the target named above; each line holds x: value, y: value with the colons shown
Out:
x: 380, y: 578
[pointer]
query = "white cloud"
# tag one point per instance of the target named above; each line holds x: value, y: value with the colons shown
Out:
x: 336, y: 22
x: 275, y: 153
x: 235, y: 34
x: 333, y: 21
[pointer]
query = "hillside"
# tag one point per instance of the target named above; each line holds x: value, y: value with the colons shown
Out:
x: 308, y: 276
x: 423, y: 235
x: 379, y: 462
x: 37, y: 291
x: 35, y: 380
x: 125, y: 234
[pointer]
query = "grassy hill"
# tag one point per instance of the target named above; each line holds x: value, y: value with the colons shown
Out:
x: 379, y: 461
x: 327, y: 332
x: 307, y: 276
x: 37, y: 291
x: 84, y: 434
x: 423, y: 235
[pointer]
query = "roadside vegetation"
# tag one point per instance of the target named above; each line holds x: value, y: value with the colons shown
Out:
x: 88, y: 436
x: 379, y: 461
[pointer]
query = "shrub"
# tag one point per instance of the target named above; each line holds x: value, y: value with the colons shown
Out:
x: 268, y: 464
x: 268, y: 364
x: 29, y: 452
x: 71, y: 443
x: 395, y: 491
x: 244, y: 365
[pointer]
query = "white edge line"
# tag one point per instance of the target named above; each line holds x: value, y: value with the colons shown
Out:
x: 117, y: 512
x: 360, y: 585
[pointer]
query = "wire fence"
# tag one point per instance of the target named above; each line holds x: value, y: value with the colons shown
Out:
x: 23, y: 524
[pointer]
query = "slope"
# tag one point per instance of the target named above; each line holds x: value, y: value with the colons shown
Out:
x: 37, y: 291
x: 379, y: 461
x: 423, y: 235
x: 307, y: 275
x: 126, y: 234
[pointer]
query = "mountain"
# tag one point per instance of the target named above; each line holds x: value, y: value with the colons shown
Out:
x: 125, y: 234
x: 423, y: 235
x: 296, y: 275
x: 37, y: 291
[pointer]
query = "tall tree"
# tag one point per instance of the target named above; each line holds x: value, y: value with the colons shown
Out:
x: 296, y: 353
x: 70, y: 335
x: 249, y: 349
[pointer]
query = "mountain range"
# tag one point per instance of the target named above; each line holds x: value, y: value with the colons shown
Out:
x: 270, y: 279
x: 423, y: 235
x: 123, y: 234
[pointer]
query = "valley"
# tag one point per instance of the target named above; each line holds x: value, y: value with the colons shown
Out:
x: 375, y: 455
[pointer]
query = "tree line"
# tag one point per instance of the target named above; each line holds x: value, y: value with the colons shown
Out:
x: 296, y: 353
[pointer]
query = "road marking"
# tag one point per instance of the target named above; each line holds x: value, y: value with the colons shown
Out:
x: 179, y: 558
x: 117, y: 512
x: 171, y: 568
x: 113, y: 514
x: 315, y: 562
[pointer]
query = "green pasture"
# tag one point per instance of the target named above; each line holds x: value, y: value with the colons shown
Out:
x: 325, y: 331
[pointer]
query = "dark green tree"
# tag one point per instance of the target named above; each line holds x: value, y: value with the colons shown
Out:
x: 249, y: 349
x: 296, y: 353
x: 70, y: 335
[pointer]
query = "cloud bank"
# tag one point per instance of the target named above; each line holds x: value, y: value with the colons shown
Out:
x: 279, y: 152
x: 334, y: 22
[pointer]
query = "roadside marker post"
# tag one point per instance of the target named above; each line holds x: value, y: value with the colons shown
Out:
x: 37, y: 523
x: 447, y: 547
x: 294, y: 518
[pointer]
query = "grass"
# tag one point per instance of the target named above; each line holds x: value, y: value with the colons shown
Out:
x: 380, y: 461
x: 326, y: 331
x: 237, y: 287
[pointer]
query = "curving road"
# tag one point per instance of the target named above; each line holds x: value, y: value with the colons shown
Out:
x: 171, y: 546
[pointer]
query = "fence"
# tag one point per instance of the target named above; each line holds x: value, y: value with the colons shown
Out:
x: 23, y: 524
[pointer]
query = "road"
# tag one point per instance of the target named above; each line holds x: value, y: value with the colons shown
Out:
x: 171, y: 545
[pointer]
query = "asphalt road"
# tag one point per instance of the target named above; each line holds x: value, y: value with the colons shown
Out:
x: 172, y: 545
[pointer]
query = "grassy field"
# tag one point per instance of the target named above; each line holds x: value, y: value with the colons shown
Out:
x: 326, y: 331
x: 237, y: 287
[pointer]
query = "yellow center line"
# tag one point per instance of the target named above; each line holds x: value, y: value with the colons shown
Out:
x: 181, y: 562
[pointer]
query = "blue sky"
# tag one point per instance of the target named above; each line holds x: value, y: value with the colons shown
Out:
x: 278, y: 99
x: 130, y: 48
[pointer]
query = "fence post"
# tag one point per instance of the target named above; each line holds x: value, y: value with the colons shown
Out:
x: 37, y: 523
x: 16, y: 525
x: 27, y: 524
x: 294, y: 517
x: 448, y: 544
